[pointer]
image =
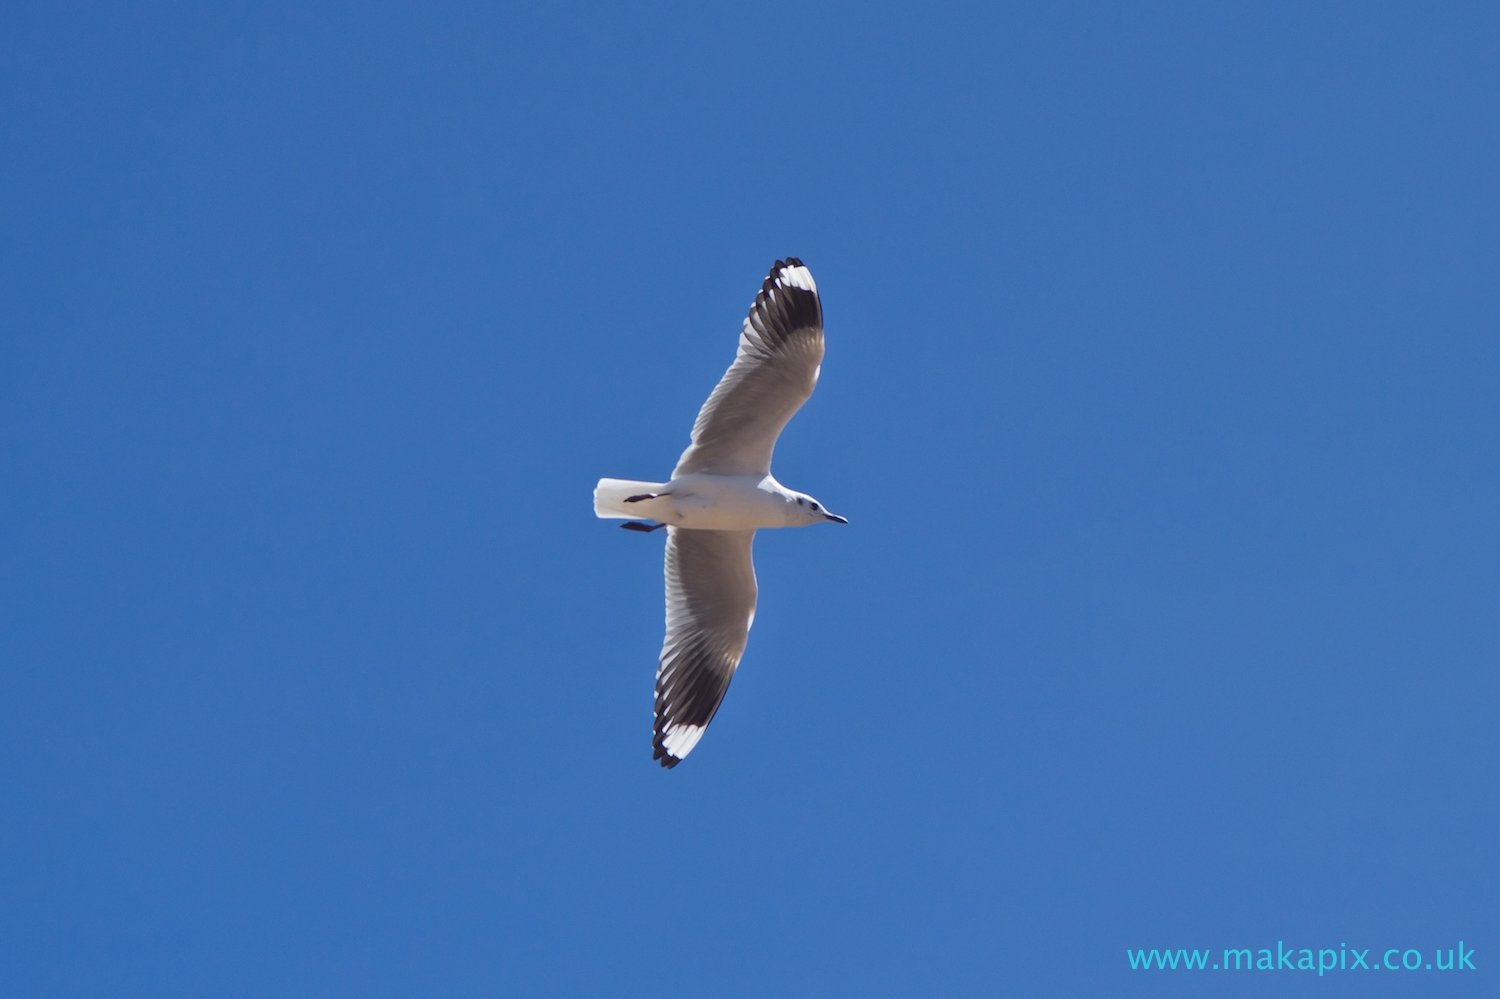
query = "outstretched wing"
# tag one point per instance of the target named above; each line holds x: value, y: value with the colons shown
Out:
x: 710, y: 604
x: 774, y: 371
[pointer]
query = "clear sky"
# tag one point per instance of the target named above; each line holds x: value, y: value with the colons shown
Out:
x: 1161, y: 395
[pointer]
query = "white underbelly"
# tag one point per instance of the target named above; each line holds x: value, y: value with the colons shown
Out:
x: 719, y: 503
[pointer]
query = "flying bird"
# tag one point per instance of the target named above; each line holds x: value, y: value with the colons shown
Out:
x: 720, y: 494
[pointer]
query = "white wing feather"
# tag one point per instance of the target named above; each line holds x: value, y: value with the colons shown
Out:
x: 773, y: 374
x: 710, y: 604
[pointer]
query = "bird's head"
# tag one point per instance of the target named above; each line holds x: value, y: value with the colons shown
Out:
x: 806, y: 510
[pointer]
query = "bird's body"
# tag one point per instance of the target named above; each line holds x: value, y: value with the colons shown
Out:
x: 720, y: 494
x: 703, y: 501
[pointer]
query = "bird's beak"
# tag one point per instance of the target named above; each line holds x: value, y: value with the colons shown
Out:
x: 835, y: 518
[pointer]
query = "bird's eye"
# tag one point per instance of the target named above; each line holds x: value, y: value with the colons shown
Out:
x: 815, y: 506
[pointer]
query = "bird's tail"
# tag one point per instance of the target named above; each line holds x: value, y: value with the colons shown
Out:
x: 610, y: 496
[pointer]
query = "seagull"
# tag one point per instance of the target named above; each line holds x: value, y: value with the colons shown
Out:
x: 720, y: 494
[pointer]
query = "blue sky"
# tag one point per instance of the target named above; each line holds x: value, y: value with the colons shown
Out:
x: 1161, y: 394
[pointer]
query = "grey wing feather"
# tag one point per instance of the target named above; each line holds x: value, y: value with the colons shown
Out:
x: 710, y: 604
x: 773, y: 374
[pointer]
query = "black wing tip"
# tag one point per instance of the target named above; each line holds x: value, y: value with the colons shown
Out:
x: 668, y: 761
x: 777, y: 268
x: 797, y: 308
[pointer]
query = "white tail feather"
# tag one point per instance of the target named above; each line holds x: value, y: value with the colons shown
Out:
x: 610, y: 496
